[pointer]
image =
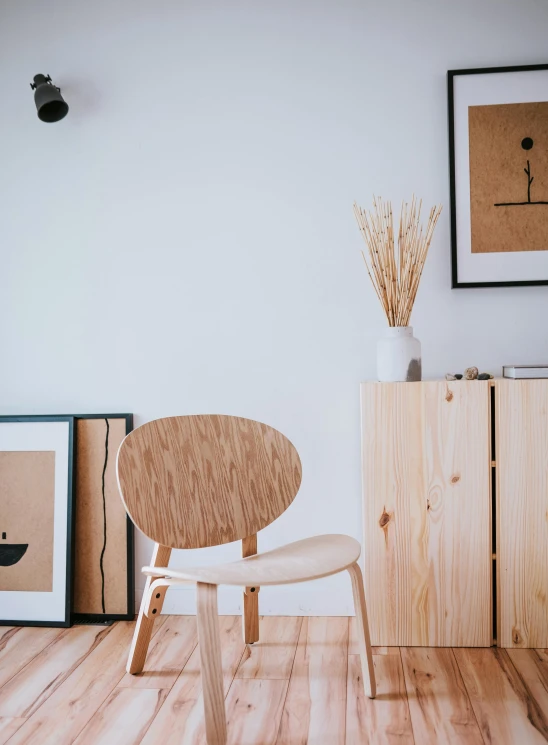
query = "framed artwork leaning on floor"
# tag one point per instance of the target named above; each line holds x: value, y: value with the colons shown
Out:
x: 498, y: 161
x: 36, y: 511
x: 103, y: 538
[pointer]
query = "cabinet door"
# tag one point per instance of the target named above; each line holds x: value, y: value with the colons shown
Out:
x: 427, y: 513
x: 522, y: 512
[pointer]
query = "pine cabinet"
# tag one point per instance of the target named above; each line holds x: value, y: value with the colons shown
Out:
x: 455, y: 510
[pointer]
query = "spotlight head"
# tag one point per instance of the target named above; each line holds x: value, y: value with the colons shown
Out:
x: 50, y: 105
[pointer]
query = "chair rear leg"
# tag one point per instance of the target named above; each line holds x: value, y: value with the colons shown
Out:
x: 364, y: 639
x: 143, y: 627
x: 251, y: 597
x: 211, y: 666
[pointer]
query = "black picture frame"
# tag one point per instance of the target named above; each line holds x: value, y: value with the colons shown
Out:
x: 107, y: 618
x: 451, y: 75
x: 67, y: 621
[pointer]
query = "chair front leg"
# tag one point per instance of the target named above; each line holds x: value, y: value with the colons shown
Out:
x: 210, y: 662
x: 362, y: 624
x: 143, y: 627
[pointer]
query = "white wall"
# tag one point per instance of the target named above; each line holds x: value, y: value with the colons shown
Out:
x: 184, y: 241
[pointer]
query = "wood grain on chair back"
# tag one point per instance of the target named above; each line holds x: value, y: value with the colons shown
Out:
x: 197, y: 481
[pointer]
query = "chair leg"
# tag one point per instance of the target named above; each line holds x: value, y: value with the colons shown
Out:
x: 251, y: 615
x: 143, y: 627
x: 251, y: 597
x: 210, y: 662
x: 366, y: 655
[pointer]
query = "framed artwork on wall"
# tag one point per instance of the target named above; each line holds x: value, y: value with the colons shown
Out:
x: 103, y: 557
x: 498, y: 162
x: 36, y: 512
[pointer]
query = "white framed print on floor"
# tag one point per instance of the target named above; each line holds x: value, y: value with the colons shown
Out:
x: 498, y: 162
x: 36, y: 508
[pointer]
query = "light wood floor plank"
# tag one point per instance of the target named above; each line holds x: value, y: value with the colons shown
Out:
x: 441, y: 713
x: 36, y: 682
x: 169, y: 651
x: 64, y: 689
x: 272, y: 657
x: 180, y: 721
x: 124, y: 718
x: 9, y: 726
x: 384, y: 720
x: 6, y: 633
x: 65, y: 713
x: 254, y: 710
x: 18, y: 646
x: 532, y: 667
x: 505, y: 712
x: 315, y: 708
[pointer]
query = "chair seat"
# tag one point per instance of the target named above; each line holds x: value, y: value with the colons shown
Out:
x: 311, y: 558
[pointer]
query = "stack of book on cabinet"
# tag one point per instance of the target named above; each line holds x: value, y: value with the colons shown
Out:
x: 523, y: 372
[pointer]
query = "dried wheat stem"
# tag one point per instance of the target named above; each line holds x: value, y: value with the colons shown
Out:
x: 395, y: 272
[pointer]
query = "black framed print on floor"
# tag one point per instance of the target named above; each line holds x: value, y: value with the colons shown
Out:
x: 36, y: 511
x: 103, y: 538
x: 498, y: 161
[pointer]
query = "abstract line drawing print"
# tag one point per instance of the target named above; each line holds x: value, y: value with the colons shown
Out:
x: 527, y: 144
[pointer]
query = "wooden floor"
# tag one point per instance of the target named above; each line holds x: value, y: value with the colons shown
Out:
x: 301, y: 684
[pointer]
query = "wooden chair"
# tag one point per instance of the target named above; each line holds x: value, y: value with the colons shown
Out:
x: 197, y: 481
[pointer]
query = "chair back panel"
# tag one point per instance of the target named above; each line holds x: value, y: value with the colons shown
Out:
x: 197, y: 481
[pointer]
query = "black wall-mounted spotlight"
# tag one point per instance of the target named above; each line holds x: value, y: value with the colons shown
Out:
x: 50, y: 105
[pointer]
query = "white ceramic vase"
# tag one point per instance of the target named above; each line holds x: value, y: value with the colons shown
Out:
x: 399, y: 356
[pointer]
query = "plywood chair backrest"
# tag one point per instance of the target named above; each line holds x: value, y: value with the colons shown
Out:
x: 197, y: 481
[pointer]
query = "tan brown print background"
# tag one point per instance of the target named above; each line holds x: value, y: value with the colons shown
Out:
x: 27, y: 499
x: 497, y: 163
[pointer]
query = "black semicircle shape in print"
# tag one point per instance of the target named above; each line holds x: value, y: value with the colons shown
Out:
x: 11, y: 553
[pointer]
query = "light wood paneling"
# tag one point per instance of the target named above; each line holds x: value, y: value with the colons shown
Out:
x: 427, y: 512
x: 169, y: 651
x: 124, y: 718
x: 36, y: 682
x: 315, y: 707
x: 441, y: 713
x: 272, y: 658
x: 66, y: 712
x: 506, y: 712
x: 196, y: 481
x: 181, y: 718
x: 522, y: 512
x: 385, y: 720
x: 254, y: 709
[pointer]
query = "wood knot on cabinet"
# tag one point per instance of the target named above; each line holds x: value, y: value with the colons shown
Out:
x: 385, y: 519
x: 448, y: 395
x: 455, y: 479
x: 516, y: 636
x: 384, y: 522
